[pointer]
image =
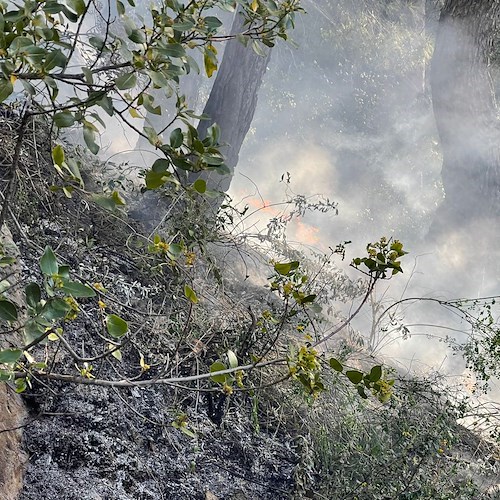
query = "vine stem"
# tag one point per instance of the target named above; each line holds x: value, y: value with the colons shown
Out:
x: 10, y: 189
x: 351, y: 317
x: 73, y: 379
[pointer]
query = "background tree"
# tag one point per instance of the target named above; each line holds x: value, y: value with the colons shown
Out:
x: 466, y: 114
x: 233, y: 99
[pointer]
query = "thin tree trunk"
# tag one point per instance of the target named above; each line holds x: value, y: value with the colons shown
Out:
x: 232, y: 102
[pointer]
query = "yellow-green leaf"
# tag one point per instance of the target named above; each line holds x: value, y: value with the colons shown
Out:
x: 190, y: 294
x: 116, y: 326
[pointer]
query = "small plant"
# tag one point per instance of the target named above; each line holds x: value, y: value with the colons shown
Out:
x: 383, y: 257
x: 46, y: 318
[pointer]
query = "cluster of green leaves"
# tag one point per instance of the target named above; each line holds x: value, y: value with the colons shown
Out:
x: 383, y: 257
x: 304, y: 363
x: 39, y: 42
x: 226, y: 381
x: 481, y: 349
x: 48, y: 309
x: 375, y: 381
x: 305, y: 366
x: 291, y: 282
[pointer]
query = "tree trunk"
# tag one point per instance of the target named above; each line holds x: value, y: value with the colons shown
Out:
x: 466, y: 114
x: 232, y: 102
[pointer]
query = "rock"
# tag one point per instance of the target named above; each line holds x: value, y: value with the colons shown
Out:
x: 12, y: 409
x: 12, y: 458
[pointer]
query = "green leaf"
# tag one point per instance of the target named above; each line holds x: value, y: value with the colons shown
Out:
x: 119, y: 201
x: 217, y: 367
x: 182, y: 164
x: 33, y: 295
x: 58, y: 155
x: 308, y: 299
x: 109, y: 202
x: 158, y: 78
x: 28, y: 87
x: 212, y: 160
x: 120, y: 8
x: 137, y: 36
x: 172, y: 50
x: 97, y: 42
x: 77, y: 289
x: 200, y: 185
x: 354, y: 376
x: 8, y: 311
x: 7, y: 261
x: 183, y: 25
x: 88, y: 136
x: 361, y: 391
x: 70, y: 14
x: 126, y: 81
x: 160, y: 166
x: 6, y: 89
x: 176, y: 138
x: 155, y: 180
x: 210, y: 60
x: 286, y: 267
x: 48, y: 262
x: 213, y: 133
x: 148, y: 103
x: 190, y: 294
x: 212, y: 22
x: 117, y: 354
x: 10, y: 356
x: 21, y: 385
x: 63, y: 271
x: 375, y: 373
x: 89, y: 77
x: 116, y: 326
x: 55, y: 309
x: 336, y: 365
x: 152, y: 136
x: 257, y: 48
x: 32, y: 331
x: 187, y: 432
x: 64, y: 119
x: 53, y: 59
x: 52, y: 7
x: 174, y: 250
x: 5, y: 375
x: 106, y: 103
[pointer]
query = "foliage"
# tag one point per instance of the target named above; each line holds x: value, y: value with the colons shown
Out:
x: 412, y: 447
x: 49, y: 310
x: 480, y: 347
x: 41, y: 42
x: 382, y: 257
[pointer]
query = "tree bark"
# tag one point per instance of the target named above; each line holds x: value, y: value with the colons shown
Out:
x: 466, y: 114
x: 232, y: 102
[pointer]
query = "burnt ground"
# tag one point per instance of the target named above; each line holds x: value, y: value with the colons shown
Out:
x: 92, y: 442
x: 95, y: 443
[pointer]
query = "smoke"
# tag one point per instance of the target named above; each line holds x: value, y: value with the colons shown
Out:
x: 349, y: 116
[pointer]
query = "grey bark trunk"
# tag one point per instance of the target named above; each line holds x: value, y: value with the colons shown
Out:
x: 232, y: 103
x: 466, y: 114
